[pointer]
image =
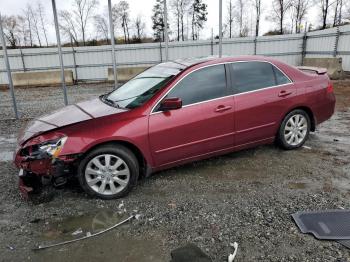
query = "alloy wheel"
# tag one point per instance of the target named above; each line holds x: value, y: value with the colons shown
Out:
x: 295, y: 129
x: 107, y: 174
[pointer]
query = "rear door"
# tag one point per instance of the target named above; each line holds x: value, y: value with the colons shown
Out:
x: 262, y: 93
x: 203, y: 125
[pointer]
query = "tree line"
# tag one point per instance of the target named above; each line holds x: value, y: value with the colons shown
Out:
x: 82, y: 24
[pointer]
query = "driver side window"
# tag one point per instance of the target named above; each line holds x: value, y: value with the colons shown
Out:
x: 202, y: 85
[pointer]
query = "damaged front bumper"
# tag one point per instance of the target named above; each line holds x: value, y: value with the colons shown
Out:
x: 43, y: 169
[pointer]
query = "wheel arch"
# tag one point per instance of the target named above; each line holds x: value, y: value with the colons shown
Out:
x: 308, y: 111
x: 141, y: 159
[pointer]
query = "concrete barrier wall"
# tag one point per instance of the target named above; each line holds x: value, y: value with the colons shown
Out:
x: 333, y: 65
x: 44, y: 78
x: 126, y: 73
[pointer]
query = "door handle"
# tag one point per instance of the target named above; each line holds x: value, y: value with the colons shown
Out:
x: 284, y: 93
x: 222, y: 108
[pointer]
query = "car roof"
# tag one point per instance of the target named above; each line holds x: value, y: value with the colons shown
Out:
x: 188, y: 62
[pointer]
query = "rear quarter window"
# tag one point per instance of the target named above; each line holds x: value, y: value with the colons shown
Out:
x: 281, y: 78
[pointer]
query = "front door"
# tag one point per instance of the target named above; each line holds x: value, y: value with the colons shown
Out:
x: 203, y: 125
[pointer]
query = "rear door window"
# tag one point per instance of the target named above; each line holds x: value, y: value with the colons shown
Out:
x: 255, y: 75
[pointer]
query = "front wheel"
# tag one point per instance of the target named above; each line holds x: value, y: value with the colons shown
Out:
x: 108, y: 172
x: 294, y: 129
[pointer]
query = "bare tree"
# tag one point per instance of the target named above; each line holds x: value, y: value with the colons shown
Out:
x: 139, y: 27
x: 77, y: 19
x: 325, y: 6
x: 230, y: 16
x: 28, y: 19
x: 43, y: 25
x: 23, y: 32
x: 347, y: 11
x: 101, y: 26
x: 176, y: 10
x: 35, y: 22
x: 180, y: 8
x: 11, y: 29
x: 338, y: 8
x: 240, y: 12
x: 83, y: 11
x: 280, y: 8
x: 121, y: 14
x: 258, y: 10
x: 68, y: 26
x: 299, y: 8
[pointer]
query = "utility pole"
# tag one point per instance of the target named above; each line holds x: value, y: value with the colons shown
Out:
x: 166, y: 31
x: 59, y: 52
x: 111, y: 29
x: 220, y: 28
x: 8, y: 69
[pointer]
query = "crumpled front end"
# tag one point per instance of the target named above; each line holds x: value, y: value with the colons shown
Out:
x: 40, y: 163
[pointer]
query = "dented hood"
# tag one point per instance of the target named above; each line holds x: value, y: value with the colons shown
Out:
x: 66, y: 116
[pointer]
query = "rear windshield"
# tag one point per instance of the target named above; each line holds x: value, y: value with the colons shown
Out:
x: 144, y: 86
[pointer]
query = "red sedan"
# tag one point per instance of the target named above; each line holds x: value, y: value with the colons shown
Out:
x: 173, y: 113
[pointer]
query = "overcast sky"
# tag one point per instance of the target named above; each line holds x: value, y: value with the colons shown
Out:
x: 144, y: 7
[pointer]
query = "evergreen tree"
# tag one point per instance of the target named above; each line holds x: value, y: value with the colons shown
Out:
x: 199, y: 16
x: 158, y: 20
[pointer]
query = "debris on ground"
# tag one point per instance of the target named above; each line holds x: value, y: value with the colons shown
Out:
x: 88, y: 235
x: 306, y: 147
x: 325, y: 224
x: 121, y: 205
x: 77, y: 232
x: 232, y: 256
x: 10, y: 247
x: 189, y: 253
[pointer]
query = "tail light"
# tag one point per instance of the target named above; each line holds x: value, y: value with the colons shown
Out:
x: 330, y: 88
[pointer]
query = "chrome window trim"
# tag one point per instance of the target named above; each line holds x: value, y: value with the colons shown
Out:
x: 224, y: 63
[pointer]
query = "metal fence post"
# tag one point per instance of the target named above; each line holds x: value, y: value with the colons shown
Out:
x: 22, y: 58
x: 303, y: 51
x: 8, y: 68
x: 335, y: 50
x: 212, y: 42
x: 59, y: 52
x: 220, y: 28
x: 255, y: 44
x: 111, y: 29
x: 166, y: 31
x: 160, y: 51
x: 74, y: 60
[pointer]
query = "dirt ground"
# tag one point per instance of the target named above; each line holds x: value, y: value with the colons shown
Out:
x: 245, y: 197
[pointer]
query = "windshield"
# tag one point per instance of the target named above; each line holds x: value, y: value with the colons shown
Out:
x: 144, y: 86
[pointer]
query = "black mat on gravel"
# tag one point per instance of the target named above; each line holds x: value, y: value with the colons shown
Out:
x: 327, y: 224
x: 345, y: 243
x: 189, y: 253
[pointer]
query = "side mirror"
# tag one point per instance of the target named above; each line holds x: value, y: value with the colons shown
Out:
x: 170, y: 104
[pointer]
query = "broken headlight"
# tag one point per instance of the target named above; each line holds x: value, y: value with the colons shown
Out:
x: 54, y: 147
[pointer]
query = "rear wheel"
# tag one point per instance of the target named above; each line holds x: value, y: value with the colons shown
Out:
x: 108, y: 172
x: 294, y: 129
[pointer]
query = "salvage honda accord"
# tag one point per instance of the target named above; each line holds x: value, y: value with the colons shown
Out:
x: 171, y: 114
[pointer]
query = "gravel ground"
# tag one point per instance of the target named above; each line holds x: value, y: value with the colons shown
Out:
x: 247, y: 197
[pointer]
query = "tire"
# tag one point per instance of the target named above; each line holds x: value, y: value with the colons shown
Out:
x: 300, y: 131
x: 108, y: 172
